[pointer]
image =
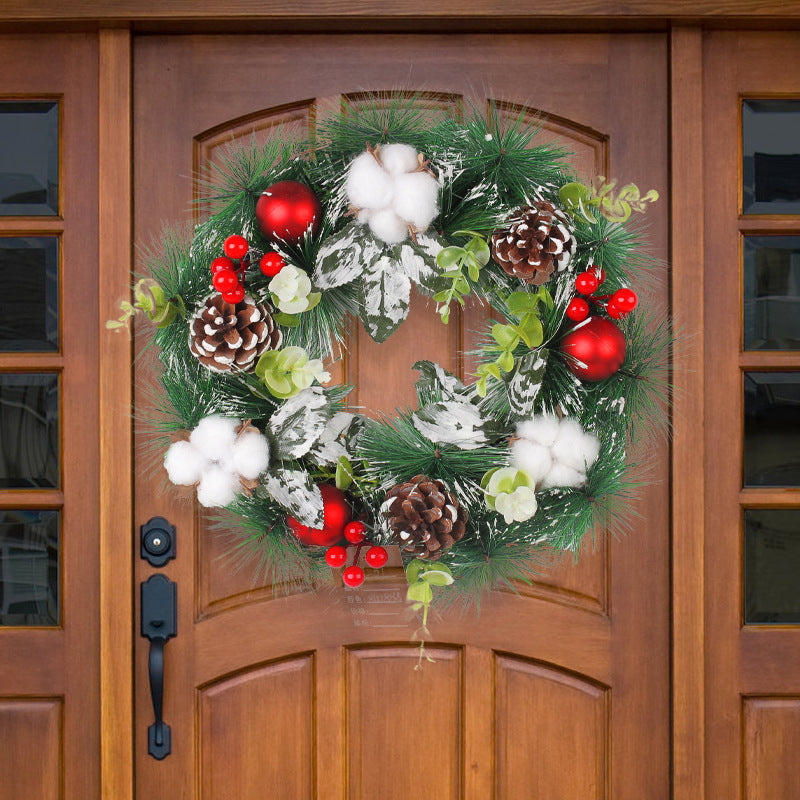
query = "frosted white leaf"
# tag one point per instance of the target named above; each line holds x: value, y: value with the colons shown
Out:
x: 294, y: 490
x: 525, y: 383
x: 330, y: 446
x: 299, y: 422
x: 384, y: 295
x: 452, y: 422
x: 345, y: 256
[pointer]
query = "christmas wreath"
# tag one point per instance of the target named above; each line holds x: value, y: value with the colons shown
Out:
x: 481, y: 477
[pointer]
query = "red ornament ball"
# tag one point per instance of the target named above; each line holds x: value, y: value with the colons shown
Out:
x: 337, y: 514
x: 355, y: 532
x: 578, y: 309
x: 235, y: 295
x: 286, y: 210
x: 336, y: 556
x: 353, y: 576
x: 226, y: 280
x: 587, y: 282
x: 222, y: 263
x: 595, y: 349
x: 272, y: 263
x: 376, y: 557
x: 625, y: 300
x: 236, y: 247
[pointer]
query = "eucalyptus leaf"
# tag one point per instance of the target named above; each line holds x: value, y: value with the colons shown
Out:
x: 420, y: 592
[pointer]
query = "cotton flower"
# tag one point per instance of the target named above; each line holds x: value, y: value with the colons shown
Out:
x: 508, y: 490
x: 391, y: 192
x: 553, y: 451
x: 290, y: 289
x: 221, y: 458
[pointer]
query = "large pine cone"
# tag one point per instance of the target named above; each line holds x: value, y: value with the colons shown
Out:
x: 425, y: 518
x: 536, y: 243
x: 224, y: 336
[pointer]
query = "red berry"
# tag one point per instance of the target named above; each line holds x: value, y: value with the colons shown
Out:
x: 578, y: 309
x: 613, y: 310
x: 236, y: 247
x: 353, y: 576
x: 355, y: 532
x: 600, y: 272
x: 587, y: 283
x: 336, y: 556
x: 235, y: 295
x: 226, y: 280
x: 377, y: 557
x: 222, y: 263
x: 272, y: 263
x: 625, y: 300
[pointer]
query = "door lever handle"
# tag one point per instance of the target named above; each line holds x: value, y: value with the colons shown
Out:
x: 159, y: 625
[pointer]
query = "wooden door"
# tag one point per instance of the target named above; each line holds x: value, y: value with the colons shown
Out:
x: 49, y: 434
x: 752, y: 419
x: 559, y: 691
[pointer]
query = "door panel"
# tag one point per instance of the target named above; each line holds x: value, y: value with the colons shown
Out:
x: 527, y: 699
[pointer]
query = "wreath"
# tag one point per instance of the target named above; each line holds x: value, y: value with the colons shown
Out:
x: 482, y: 477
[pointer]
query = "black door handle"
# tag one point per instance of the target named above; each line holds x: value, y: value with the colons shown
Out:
x: 159, y: 624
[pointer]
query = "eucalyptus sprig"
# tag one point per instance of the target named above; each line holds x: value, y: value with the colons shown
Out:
x: 615, y: 207
x: 474, y: 256
x: 150, y: 298
x: 422, y: 576
x: 525, y: 307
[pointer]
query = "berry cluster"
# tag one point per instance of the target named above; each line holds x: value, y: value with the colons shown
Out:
x: 272, y: 263
x: 228, y: 271
x: 617, y: 305
x: 376, y: 557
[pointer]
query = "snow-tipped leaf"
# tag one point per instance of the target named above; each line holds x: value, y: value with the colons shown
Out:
x: 456, y: 422
x: 345, y: 256
x: 436, y: 383
x: 384, y: 294
x: 297, y: 493
x: 299, y: 422
x: 525, y: 382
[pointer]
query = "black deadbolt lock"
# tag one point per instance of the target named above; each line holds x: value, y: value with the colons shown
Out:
x: 158, y: 541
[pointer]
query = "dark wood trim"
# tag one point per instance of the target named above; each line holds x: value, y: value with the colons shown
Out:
x: 116, y: 476
x: 688, y: 456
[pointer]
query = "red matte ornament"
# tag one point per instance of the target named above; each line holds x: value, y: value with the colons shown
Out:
x: 376, y: 557
x: 336, y: 556
x: 286, y: 210
x: 595, y: 349
x: 236, y: 247
x: 353, y: 576
x: 337, y: 514
x: 272, y: 263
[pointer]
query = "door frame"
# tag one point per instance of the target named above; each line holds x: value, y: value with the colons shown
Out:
x: 688, y: 457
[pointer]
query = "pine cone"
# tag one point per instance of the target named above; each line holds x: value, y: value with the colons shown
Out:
x: 536, y: 243
x: 425, y: 518
x: 224, y: 336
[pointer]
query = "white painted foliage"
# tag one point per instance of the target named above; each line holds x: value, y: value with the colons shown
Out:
x: 295, y: 491
x: 299, y: 422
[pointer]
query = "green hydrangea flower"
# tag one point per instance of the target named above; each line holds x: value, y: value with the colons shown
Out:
x: 287, y: 372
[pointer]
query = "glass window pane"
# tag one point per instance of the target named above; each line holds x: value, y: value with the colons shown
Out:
x: 28, y: 431
x: 772, y: 565
x: 29, y: 297
x: 771, y: 156
x: 29, y: 157
x: 29, y: 567
x: 772, y: 429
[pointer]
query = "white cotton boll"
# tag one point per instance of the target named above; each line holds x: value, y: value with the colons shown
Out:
x: 184, y: 464
x: 543, y: 429
x: 398, y: 158
x: 363, y: 215
x: 388, y: 227
x: 416, y: 198
x: 214, y: 436
x: 368, y: 185
x: 563, y: 476
x: 532, y: 458
x: 217, y: 487
x: 574, y: 447
x: 250, y: 454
